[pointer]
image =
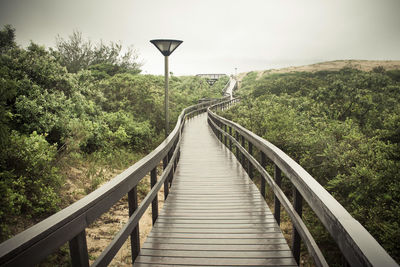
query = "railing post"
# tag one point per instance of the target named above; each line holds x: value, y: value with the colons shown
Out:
x: 230, y: 141
x: 250, y: 166
x: 176, y: 158
x: 296, y: 239
x: 170, y: 175
x: 344, y: 262
x: 154, y: 204
x: 237, y: 148
x: 225, y: 135
x: 166, y: 185
x: 243, y: 143
x: 135, y: 237
x: 277, y: 203
x: 216, y: 130
x: 220, y: 133
x: 78, y: 250
x: 172, y: 153
x: 263, y: 163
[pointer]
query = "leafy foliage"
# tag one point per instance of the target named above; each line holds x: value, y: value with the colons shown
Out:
x: 76, y: 54
x: 343, y: 128
x: 28, y: 177
x: 7, y: 38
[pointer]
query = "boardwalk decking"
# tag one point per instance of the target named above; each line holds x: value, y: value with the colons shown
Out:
x: 214, y: 215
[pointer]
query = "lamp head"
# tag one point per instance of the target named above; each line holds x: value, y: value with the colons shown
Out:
x: 166, y: 46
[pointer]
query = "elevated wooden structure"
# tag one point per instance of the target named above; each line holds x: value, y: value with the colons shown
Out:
x: 212, y: 77
x: 214, y: 214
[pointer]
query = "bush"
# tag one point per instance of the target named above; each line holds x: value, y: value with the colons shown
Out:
x: 29, y: 184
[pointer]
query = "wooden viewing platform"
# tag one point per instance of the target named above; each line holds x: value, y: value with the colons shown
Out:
x: 214, y: 214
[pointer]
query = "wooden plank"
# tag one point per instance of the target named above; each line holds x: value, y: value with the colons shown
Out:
x: 217, y: 196
x: 234, y: 202
x: 216, y: 205
x: 215, y: 241
x: 221, y: 231
x: 244, y: 187
x: 216, y: 221
x: 214, y: 226
x: 179, y: 214
x: 272, y: 234
x: 258, y: 205
x: 218, y: 261
x: 217, y: 254
x: 218, y: 247
x: 210, y: 217
x: 180, y: 265
x: 216, y: 212
x: 213, y: 192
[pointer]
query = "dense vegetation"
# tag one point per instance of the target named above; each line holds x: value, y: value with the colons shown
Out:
x: 343, y: 127
x: 79, y: 102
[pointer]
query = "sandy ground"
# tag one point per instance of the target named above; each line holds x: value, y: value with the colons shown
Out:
x: 365, y: 65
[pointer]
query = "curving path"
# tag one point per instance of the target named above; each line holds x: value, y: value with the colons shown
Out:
x: 231, y: 86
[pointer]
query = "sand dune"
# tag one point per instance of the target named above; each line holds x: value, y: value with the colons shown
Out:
x: 365, y: 65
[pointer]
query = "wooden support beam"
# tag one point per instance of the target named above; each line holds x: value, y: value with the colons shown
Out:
x: 154, y: 203
x: 263, y: 163
x: 277, y: 203
x: 78, y: 250
x: 166, y: 185
x: 135, y: 237
x: 296, y: 239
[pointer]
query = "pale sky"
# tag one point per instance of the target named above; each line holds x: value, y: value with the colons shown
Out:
x: 219, y: 35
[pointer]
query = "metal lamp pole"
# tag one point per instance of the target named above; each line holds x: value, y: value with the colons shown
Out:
x: 166, y: 99
x: 166, y: 47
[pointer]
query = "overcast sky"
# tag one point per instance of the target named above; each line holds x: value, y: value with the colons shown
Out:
x: 219, y: 35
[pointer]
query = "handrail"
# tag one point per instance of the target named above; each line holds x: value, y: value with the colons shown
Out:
x: 68, y: 225
x: 355, y: 242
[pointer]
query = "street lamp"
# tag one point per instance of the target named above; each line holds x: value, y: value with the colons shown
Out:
x: 166, y: 47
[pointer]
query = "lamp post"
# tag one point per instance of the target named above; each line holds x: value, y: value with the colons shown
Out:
x: 166, y: 47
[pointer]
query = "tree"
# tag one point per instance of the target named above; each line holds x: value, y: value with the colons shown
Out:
x: 7, y: 38
x: 77, y: 54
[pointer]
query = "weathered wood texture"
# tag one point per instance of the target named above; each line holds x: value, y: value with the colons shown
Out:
x: 214, y: 215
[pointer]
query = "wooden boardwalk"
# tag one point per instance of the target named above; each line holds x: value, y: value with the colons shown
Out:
x: 214, y: 214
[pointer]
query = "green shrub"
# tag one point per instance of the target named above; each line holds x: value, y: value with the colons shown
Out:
x: 30, y: 182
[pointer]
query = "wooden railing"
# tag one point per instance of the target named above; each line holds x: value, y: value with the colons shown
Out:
x: 36, y: 243
x: 357, y: 246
